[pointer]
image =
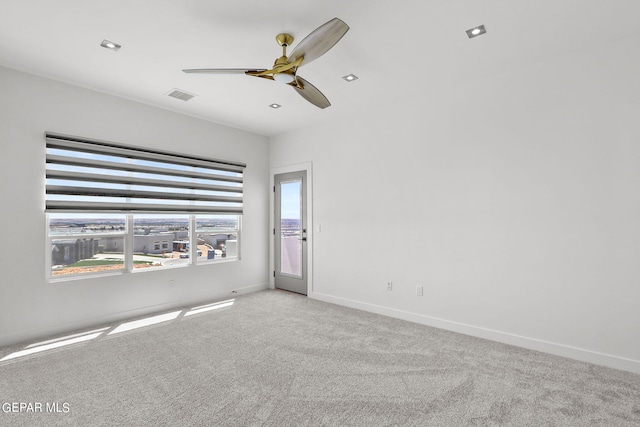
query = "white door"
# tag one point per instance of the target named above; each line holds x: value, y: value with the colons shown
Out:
x: 291, y: 231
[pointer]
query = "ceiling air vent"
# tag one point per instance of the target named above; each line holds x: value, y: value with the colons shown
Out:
x: 180, y: 94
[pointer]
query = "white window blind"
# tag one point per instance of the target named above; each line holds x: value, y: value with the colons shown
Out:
x: 86, y: 175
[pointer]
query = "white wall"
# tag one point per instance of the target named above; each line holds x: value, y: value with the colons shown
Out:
x: 512, y: 198
x: 29, y: 306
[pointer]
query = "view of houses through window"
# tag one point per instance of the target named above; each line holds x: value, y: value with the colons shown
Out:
x: 97, y: 243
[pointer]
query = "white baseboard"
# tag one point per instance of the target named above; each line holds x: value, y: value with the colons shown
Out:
x: 251, y: 289
x: 493, y: 335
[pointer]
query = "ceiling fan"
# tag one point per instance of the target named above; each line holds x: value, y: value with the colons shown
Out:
x: 285, y: 68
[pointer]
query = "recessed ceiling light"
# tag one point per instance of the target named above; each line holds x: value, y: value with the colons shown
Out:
x: 476, y: 31
x: 275, y: 106
x: 350, y: 77
x: 110, y: 45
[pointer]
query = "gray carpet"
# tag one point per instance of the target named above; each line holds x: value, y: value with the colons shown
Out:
x: 279, y: 359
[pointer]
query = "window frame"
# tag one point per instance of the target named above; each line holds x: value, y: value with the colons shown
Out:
x: 128, y: 238
x: 206, y: 261
x: 75, y: 276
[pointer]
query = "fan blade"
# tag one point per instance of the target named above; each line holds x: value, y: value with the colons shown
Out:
x: 319, y: 41
x: 222, y: 70
x: 311, y: 93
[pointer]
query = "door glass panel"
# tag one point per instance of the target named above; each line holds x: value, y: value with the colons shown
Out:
x: 290, y: 236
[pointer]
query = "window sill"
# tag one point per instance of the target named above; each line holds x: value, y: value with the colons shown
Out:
x: 59, y: 279
x: 217, y: 261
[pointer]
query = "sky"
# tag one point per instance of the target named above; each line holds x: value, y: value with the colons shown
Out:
x: 290, y: 200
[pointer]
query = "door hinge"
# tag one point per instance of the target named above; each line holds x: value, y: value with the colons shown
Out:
x: 274, y: 231
x: 274, y: 273
x: 274, y: 188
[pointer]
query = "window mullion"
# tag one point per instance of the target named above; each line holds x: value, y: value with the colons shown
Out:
x: 48, y: 257
x: 193, y: 240
x: 128, y: 246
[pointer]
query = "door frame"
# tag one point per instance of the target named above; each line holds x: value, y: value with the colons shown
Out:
x: 306, y: 166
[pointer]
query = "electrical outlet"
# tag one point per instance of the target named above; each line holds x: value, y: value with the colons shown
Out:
x: 389, y: 286
x: 419, y: 291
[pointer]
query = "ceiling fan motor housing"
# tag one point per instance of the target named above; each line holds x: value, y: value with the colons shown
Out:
x: 288, y: 74
x: 286, y: 77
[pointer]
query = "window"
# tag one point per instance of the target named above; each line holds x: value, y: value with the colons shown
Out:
x: 90, y: 243
x: 148, y: 233
x: 217, y: 237
x: 117, y: 208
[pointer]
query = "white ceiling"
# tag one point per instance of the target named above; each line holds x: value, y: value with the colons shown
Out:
x: 398, y: 49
